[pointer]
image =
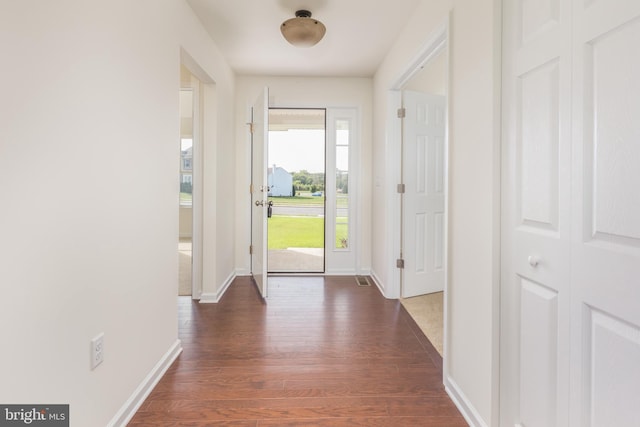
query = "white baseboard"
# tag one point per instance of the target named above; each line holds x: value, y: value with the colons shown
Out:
x: 378, y: 282
x: 345, y: 272
x: 468, y: 411
x: 128, y: 410
x: 207, y: 298
x: 211, y: 298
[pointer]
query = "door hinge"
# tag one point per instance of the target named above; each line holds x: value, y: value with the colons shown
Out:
x: 250, y: 249
x: 400, y: 263
x: 251, y: 189
x: 250, y: 127
x: 402, y: 112
x: 401, y: 188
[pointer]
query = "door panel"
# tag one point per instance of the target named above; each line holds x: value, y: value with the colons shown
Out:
x: 538, y: 147
x: 606, y: 235
x: 570, y: 320
x: 536, y: 214
x: 538, y: 353
x: 259, y: 191
x: 423, y: 210
x: 610, y: 356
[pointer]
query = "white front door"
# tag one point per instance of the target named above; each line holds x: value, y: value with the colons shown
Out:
x: 570, y: 300
x: 423, y: 200
x: 259, y: 190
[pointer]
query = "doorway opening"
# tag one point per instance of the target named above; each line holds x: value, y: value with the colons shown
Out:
x: 423, y: 210
x: 296, y: 181
x: 190, y: 184
x: 185, y: 243
x: 421, y: 92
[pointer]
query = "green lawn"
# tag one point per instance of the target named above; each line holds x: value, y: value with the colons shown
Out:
x: 185, y: 198
x: 300, y: 232
x: 295, y: 232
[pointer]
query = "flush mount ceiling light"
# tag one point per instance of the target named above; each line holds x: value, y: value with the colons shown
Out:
x: 302, y: 31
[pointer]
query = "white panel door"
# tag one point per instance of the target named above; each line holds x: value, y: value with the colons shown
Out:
x: 535, y: 283
x: 424, y: 198
x: 259, y: 190
x: 606, y: 205
x: 570, y: 299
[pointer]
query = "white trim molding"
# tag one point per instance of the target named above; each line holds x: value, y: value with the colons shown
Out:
x: 128, y: 410
x: 465, y: 407
x: 379, y: 284
x: 340, y: 272
x: 438, y: 42
x: 211, y: 298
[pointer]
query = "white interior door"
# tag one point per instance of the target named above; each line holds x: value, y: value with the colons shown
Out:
x: 536, y: 214
x: 259, y: 190
x: 424, y: 198
x: 605, y: 292
x: 570, y: 304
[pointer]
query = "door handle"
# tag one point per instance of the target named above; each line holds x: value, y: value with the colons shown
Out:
x: 533, y: 261
x: 259, y: 202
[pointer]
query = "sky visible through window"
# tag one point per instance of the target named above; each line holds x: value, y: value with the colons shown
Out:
x: 186, y: 143
x: 297, y: 149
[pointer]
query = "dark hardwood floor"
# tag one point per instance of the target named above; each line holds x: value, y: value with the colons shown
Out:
x: 320, y: 352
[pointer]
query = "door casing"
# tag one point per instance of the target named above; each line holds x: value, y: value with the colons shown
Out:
x: 436, y: 44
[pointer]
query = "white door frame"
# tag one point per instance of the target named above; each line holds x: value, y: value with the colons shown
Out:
x: 204, y: 98
x: 341, y: 261
x: 435, y: 44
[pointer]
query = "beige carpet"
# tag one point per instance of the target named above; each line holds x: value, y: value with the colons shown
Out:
x: 184, y: 267
x: 427, y: 311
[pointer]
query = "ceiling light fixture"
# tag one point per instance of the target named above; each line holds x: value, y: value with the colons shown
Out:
x: 302, y: 31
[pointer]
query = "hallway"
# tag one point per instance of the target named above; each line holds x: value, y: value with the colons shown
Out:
x: 322, y: 351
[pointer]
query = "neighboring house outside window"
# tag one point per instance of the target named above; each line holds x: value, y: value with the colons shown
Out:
x: 186, y: 164
x: 280, y: 182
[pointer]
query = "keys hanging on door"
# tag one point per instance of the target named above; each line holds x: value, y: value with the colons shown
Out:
x: 269, y: 209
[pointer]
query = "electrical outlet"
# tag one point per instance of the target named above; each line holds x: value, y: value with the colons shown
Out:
x: 97, y: 351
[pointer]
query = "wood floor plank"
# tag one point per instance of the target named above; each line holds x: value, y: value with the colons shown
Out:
x: 319, y: 352
x: 367, y: 422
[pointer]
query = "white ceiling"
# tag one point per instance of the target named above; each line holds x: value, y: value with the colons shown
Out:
x: 359, y: 34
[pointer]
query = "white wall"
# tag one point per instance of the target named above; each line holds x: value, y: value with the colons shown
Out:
x: 292, y: 92
x: 89, y: 126
x: 473, y: 255
x: 432, y: 78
